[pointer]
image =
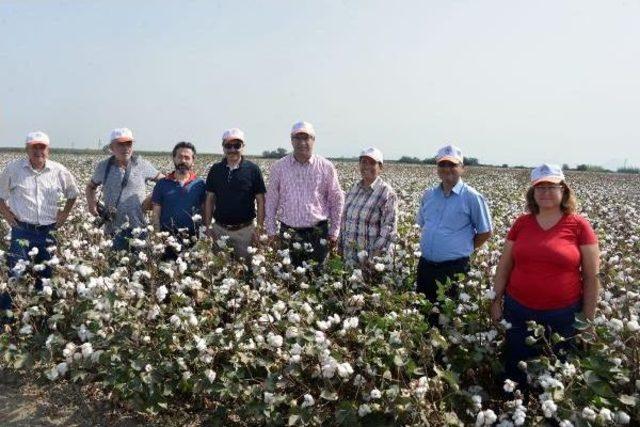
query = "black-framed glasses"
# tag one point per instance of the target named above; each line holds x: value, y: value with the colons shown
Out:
x: 232, y: 145
x: 301, y: 137
x: 447, y: 165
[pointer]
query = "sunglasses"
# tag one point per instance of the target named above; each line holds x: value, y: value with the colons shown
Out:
x: 234, y: 145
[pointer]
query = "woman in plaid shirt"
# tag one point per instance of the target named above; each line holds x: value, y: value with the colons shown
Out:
x: 369, y: 221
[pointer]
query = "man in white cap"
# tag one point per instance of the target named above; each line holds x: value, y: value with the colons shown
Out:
x: 235, y: 196
x: 30, y: 189
x: 304, y: 195
x: 455, y: 220
x: 123, y: 177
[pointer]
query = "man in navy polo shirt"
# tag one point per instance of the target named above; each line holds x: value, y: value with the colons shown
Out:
x: 455, y: 220
x: 179, y: 197
x: 235, y: 196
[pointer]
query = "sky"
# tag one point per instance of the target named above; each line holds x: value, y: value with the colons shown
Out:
x: 508, y: 81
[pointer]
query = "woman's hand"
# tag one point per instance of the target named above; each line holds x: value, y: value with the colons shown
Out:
x: 496, y: 310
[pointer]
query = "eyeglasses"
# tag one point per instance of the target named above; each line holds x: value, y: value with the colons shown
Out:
x: 549, y: 188
x: 447, y: 165
x: 301, y: 137
x: 234, y: 145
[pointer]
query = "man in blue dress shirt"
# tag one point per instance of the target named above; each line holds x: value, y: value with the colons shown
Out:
x: 455, y: 220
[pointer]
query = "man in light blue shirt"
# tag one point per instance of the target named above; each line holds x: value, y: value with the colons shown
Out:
x: 454, y: 219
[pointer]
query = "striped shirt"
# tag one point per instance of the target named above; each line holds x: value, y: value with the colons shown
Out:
x: 303, y: 194
x: 369, y: 221
x: 33, y: 195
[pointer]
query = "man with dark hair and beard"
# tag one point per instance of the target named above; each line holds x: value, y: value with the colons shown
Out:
x: 178, y: 199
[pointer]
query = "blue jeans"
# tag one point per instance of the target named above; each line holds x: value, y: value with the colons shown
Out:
x: 37, y: 236
x: 560, y: 321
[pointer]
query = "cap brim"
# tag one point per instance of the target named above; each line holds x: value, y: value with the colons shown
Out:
x: 551, y: 179
x: 124, y: 139
x: 371, y: 157
x: 306, y: 132
x: 233, y: 139
x: 455, y: 160
x: 38, y: 143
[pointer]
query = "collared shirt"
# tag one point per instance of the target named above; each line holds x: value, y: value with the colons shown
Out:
x: 303, y: 194
x: 235, y: 190
x: 369, y: 221
x: 179, y: 202
x: 129, y: 208
x: 449, y: 224
x: 33, y: 195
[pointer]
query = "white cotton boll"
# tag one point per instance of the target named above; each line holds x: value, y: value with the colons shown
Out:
x: 509, y: 386
x: 153, y: 312
x: 364, y: 410
x: 87, y: 350
x: 345, y: 370
x: 62, y: 368
x: 566, y: 423
x: 269, y: 398
x: 47, y: 291
x: 375, y: 394
x: 379, y: 267
x: 633, y: 326
x: 605, y: 415
x: 549, y: 408
x: 26, y: 330
x: 622, y: 417
x: 33, y: 252
x: 274, y: 340
x: 588, y: 414
x: 53, y: 374
x: 210, y: 374
x: 308, y: 401
x: 616, y: 324
x: 84, y: 270
x: 161, y: 293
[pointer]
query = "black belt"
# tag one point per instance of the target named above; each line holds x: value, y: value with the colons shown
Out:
x: 322, y: 223
x: 233, y: 227
x: 35, y: 227
x: 448, y: 263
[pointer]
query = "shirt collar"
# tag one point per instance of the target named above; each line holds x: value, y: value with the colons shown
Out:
x: 191, y: 178
x: 311, y: 161
x: 224, y: 161
x: 457, y: 189
x: 374, y: 185
x: 27, y: 164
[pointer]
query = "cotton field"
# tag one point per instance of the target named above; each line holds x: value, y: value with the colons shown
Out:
x: 282, y: 345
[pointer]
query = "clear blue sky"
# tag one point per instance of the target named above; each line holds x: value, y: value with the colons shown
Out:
x: 518, y: 82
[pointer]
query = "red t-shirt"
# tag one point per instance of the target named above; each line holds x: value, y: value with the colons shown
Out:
x: 546, y: 264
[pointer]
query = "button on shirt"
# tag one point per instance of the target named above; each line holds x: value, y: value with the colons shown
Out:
x: 369, y: 221
x: 129, y: 208
x: 33, y: 195
x: 302, y: 194
x: 449, y: 224
x: 179, y: 202
x: 235, y: 190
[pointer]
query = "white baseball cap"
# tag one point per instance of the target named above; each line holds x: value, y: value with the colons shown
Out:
x: 303, y: 127
x: 372, y: 153
x: 231, y: 134
x: 38, y: 137
x: 450, y: 153
x: 547, y: 173
x: 121, y: 135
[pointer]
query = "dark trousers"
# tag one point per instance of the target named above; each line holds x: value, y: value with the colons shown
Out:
x: 560, y: 321
x: 312, y: 236
x: 430, y: 273
x: 36, y: 236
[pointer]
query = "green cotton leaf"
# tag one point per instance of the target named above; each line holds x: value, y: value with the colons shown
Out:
x: 449, y: 377
x: 329, y: 395
x: 346, y: 414
x: 625, y: 399
x: 581, y: 323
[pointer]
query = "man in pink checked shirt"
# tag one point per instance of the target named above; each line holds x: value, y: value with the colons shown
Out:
x: 304, y: 195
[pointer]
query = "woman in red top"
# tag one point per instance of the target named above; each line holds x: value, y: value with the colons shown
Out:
x: 548, y: 270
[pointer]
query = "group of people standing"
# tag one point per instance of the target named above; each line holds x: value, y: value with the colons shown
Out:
x: 547, y: 272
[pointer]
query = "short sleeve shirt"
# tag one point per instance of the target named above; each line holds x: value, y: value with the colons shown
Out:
x: 235, y: 191
x: 129, y: 208
x: 179, y: 203
x: 546, y: 263
x: 449, y: 224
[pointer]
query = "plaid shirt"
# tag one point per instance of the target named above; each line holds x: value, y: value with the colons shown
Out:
x: 369, y: 221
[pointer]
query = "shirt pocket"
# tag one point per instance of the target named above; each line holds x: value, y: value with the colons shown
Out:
x: 456, y: 218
